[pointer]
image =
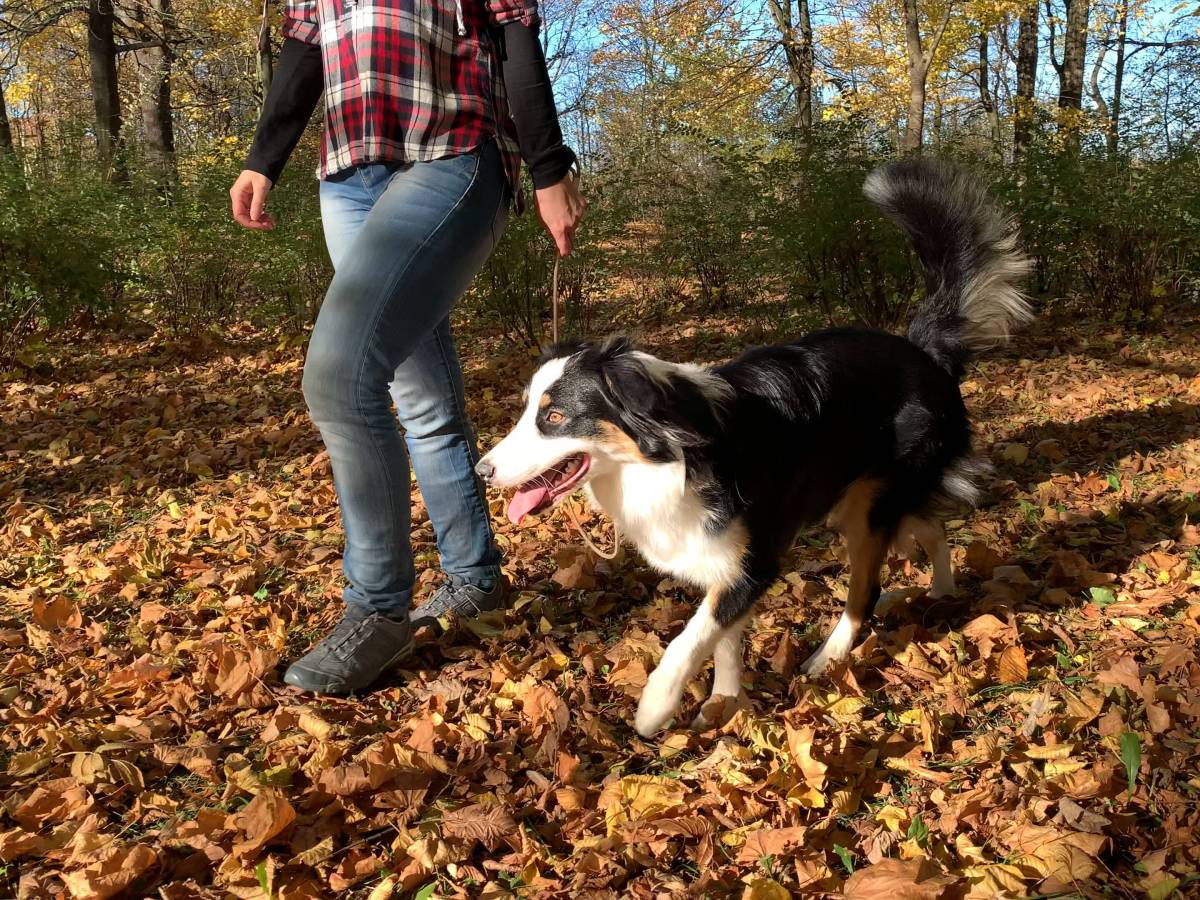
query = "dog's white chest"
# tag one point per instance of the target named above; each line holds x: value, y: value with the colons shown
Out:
x: 654, y: 510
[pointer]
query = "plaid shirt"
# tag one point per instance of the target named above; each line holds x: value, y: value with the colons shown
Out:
x: 410, y: 80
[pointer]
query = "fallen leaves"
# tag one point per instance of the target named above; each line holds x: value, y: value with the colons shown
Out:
x: 1033, y: 734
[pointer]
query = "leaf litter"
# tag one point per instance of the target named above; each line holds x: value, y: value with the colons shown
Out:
x: 170, y: 536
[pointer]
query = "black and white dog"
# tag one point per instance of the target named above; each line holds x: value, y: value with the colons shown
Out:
x: 712, y: 471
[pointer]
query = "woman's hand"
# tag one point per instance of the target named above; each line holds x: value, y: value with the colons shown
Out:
x: 249, y: 196
x: 561, y: 207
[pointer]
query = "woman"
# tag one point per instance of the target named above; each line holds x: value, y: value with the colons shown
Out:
x: 430, y: 106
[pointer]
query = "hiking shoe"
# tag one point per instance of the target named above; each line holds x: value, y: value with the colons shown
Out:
x: 361, y: 647
x: 461, y: 598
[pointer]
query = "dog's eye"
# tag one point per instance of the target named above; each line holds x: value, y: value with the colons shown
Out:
x: 554, y: 417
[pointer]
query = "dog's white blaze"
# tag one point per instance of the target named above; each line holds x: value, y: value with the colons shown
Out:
x: 526, y: 452
x: 654, y: 508
x: 682, y: 660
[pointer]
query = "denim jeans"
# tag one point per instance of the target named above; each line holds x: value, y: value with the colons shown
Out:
x: 405, y: 241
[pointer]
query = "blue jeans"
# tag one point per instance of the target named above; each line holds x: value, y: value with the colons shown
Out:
x: 405, y: 241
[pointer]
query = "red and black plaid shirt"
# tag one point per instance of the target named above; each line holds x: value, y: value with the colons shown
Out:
x: 410, y: 80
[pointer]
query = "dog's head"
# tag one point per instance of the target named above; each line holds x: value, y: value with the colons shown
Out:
x: 591, y: 408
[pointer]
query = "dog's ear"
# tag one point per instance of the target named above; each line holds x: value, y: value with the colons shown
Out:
x: 562, y: 348
x: 644, y: 401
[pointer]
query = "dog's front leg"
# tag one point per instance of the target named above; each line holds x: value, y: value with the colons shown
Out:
x: 727, y: 671
x: 718, y: 623
x: 680, y: 662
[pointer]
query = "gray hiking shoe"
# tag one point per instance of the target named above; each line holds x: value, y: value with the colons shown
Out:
x: 461, y: 598
x: 361, y: 647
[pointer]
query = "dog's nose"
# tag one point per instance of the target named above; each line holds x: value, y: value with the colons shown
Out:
x: 485, y: 470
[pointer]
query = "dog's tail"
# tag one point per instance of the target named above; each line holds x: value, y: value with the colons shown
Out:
x: 968, y: 249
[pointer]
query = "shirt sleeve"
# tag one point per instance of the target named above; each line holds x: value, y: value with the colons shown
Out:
x: 295, y: 90
x: 505, y: 12
x: 531, y: 103
x: 300, y: 20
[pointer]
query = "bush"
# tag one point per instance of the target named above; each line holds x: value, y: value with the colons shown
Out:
x: 63, y: 250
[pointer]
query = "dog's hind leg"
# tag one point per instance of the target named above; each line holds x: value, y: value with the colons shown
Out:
x: 866, y: 547
x: 931, y: 535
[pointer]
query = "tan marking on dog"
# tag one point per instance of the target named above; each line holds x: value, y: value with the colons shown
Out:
x: 544, y: 401
x: 850, y: 513
x: 623, y: 446
x: 737, y: 535
x: 866, y: 549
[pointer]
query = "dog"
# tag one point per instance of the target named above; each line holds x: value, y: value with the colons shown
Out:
x: 712, y: 471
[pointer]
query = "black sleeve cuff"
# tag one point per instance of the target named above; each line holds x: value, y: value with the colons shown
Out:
x: 295, y: 90
x: 552, y: 167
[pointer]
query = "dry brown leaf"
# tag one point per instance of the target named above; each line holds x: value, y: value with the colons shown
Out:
x: 262, y: 819
x: 894, y: 879
x: 488, y: 825
x: 110, y: 876
x: 1013, y: 668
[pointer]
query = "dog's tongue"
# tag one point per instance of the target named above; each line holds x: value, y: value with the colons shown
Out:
x: 526, y: 499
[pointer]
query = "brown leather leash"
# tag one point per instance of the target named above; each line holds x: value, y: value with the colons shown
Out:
x: 616, y: 548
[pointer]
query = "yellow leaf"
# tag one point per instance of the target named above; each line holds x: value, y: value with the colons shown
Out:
x: 808, y: 797
x: 1054, y: 751
x: 1056, y: 767
x: 893, y: 817
x: 800, y: 742
x: 766, y: 889
x: 639, y: 797
x: 315, y: 725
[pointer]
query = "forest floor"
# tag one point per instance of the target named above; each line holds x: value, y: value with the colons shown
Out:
x: 170, y: 537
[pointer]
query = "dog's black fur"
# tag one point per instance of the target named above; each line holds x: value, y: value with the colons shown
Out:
x: 797, y: 424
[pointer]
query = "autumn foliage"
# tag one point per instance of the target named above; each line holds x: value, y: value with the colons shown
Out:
x: 170, y: 535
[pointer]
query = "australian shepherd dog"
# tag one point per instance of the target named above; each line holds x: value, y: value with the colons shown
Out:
x: 712, y: 470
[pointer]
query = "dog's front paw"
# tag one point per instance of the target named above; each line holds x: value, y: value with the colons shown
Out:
x: 827, y: 654
x: 833, y: 649
x: 716, y: 711
x: 660, y: 700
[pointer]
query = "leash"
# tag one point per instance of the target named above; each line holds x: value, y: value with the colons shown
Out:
x: 616, y: 548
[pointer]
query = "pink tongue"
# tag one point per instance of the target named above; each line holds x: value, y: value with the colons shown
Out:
x: 526, y: 499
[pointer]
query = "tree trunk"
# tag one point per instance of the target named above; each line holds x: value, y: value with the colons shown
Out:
x: 1070, y: 82
x: 6, y: 138
x: 920, y: 60
x: 1027, y: 64
x: 264, y: 63
x: 102, y: 56
x: 918, y: 71
x: 154, y: 62
x: 986, y: 100
x: 797, y: 42
x: 1114, y: 130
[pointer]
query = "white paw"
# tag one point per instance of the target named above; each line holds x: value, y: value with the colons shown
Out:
x: 835, y: 648
x: 717, y: 710
x: 937, y: 591
x: 817, y: 663
x: 660, y: 701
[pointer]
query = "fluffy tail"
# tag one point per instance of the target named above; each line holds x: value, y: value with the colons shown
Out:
x: 969, y: 252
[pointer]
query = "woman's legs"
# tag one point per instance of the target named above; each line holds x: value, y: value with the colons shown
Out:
x: 406, y: 242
